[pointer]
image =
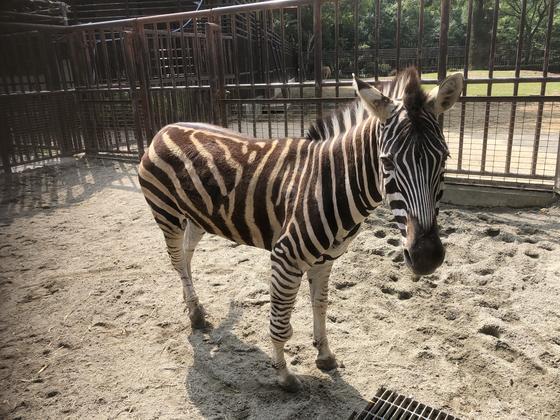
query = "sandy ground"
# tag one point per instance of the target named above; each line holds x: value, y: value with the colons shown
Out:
x: 92, y: 322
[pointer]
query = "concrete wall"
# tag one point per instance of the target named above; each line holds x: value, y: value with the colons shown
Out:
x: 467, y: 195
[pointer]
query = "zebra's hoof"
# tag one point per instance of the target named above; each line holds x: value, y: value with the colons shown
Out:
x: 198, y: 320
x: 290, y: 383
x: 329, y: 363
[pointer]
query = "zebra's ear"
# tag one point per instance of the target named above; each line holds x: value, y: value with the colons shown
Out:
x: 443, y: 97
x: 374, y: 101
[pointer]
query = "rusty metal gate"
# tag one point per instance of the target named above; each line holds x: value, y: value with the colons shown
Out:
x: 269, y: 69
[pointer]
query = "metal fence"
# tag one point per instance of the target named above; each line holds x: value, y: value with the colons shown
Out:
x: 106, y: 88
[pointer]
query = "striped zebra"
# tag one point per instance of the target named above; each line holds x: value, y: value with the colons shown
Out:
x: 304, y: 199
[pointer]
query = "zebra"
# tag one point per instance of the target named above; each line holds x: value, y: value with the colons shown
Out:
x: 304, y: 199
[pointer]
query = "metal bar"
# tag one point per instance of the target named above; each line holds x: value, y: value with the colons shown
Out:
x: 162, y: 18
x: 251, y: 65
x: 377, y: 36
x: 170, y: 49
x: 318, y: 51
x: 500, y: 174
x: 518, y: 58
x: 398, y: 35
x: 285, y: 92
x: 196, y: 55
x: 465, y: 75
x: 420, y: 38
x: 546, y: 59
x: 336, y: 45
x: 129, y: 62
x: 103, y: 42
x: 236, y: 56
x: 356, y: 4
x: 5, y: 143
x: 557, y: 175
x: 212, y: 41
x: 266, y: 63
x: 443, y: 43
x: 143, y: 58
x: 301, y: 65
x: 491, y: 80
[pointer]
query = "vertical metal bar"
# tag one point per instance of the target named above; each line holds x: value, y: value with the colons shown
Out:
x: 103, y: 42
x: 301, y: 66
x: 132, y: 77
x: 170, y: 49
x: 266, y: 47
x: 420, y: 38
x: 318, y: 51
x: 398, y: 35
x: 286, y: 91
x: 116, y: 60
x: 543, y: 88
x: 236, y: 56
x: 557, y: 175
x: 143, y: 59
x: 336, y: 45
x: 6, y: 142
x: 465, y: 87
x: 216, y: 73
x: 518, y: 58
x: 377, y: 37
x: 356, y: 4
x: 197, y: 51
x: 491, y: 60
x: 443, y: 40
x: 252, y: 73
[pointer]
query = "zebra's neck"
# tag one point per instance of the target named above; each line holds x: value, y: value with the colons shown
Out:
x: 349, y: 166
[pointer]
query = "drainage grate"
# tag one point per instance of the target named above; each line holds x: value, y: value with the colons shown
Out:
x: 390, y: 405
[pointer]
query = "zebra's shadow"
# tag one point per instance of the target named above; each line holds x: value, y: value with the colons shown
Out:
x: 231, y: 379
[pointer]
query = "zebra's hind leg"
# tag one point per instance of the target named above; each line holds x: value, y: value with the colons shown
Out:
x: 197, y: 314
x: 318, y: 276
x: 180, y: 247
x: 284, y: 287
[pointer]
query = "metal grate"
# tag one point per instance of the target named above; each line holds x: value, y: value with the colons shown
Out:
x: 391, y: 405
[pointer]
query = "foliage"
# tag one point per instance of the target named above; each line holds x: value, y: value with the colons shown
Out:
x: 364, y: 38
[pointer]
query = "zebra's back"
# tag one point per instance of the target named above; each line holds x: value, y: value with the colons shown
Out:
x: 231, y: 185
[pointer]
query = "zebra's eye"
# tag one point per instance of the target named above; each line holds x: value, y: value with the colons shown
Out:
x: 388, y: 163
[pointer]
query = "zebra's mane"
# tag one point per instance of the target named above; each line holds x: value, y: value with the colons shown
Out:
x: 404, y: 87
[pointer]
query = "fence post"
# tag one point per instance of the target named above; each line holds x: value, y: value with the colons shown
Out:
x: 317, y: 52
x: 216, y: 73
x: 144, y: 81
x: 443, y: 42
x: 132, y: 78
x: 557, y: 180
x: 5, y: 144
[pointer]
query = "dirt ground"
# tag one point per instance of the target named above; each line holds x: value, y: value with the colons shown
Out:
x: 92, y: 322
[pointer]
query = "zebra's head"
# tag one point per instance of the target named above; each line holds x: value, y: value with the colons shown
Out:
x: 412, y: 154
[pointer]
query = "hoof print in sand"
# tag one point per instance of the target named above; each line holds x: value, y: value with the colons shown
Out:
x: 490, y: 329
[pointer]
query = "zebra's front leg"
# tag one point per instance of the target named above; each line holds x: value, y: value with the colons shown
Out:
x: 318, y: 277
x: 284, y: 287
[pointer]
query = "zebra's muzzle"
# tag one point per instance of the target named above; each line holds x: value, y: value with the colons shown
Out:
x: 424, y: 252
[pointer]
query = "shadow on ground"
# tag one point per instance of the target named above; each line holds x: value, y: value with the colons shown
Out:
x: 68, y: 183
x: 231, y: 379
